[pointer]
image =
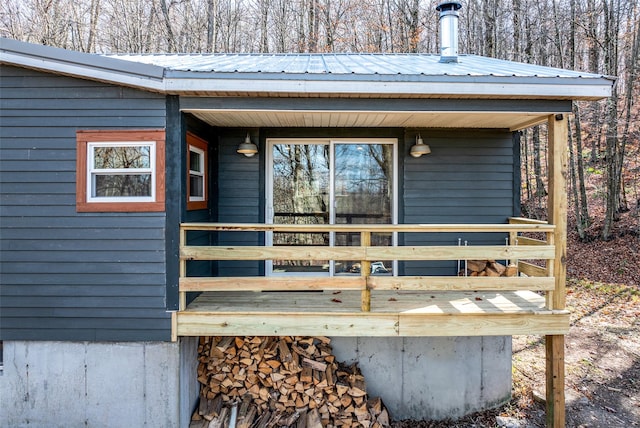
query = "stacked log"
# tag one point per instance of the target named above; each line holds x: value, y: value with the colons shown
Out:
x: 266, y: 382
x: 488, y: 268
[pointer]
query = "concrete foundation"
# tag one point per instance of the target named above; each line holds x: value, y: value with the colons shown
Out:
x: 435, y: 377
x: 79, y: 384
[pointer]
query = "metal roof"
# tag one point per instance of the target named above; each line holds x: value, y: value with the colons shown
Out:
x: 369, y: 75
x: 363, y: 75
x: 333, y: 90
x: 364, y: 64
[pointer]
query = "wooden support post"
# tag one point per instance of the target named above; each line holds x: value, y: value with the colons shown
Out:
x: 174, y: 326
x: 555, y: 381
x: 365, y: 271
x: 557, y: 203
x: 557, y: 208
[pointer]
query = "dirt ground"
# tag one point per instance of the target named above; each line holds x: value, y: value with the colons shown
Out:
x: 602, y: 364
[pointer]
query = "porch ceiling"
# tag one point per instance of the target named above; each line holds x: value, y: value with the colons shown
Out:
x: 255, y: 118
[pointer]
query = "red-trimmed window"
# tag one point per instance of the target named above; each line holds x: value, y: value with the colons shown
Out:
x: 120, y: 171
x: 197, y: 155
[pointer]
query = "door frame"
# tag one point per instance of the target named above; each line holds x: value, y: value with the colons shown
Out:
x: 332, y: 142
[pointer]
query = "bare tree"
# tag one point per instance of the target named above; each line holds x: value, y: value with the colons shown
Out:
x: 171, y: 41
x: 613, y: 147
x: 212, y: 29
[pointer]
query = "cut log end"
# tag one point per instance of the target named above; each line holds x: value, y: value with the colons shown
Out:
x: 489, y: 268
x: 265, y: 382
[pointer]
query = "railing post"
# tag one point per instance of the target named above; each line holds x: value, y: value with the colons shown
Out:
x: 365, y: 271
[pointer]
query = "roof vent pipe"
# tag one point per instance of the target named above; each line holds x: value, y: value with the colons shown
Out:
x: 449, y: 30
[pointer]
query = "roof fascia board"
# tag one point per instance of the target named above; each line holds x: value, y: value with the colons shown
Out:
x: 560, y: 89
x: 376, y: 105
x: 396, y: 77
x: 82, y: 65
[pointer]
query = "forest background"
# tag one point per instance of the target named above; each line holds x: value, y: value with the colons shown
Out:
x: 597, y: 36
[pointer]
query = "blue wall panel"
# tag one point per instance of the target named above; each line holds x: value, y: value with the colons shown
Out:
x: 68, y: 275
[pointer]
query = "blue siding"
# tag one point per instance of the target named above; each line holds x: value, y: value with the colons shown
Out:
x: 240, y: 189
x: 467, y: 178
x: 68, y: 275
x: 202, y: 268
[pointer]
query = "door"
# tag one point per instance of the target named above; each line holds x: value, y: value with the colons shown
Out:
x: 320, y: 181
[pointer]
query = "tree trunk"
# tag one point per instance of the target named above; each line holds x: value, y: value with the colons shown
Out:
x: 212, y: 30
x: 414, y: 27
x: 525, y: 148
x: 264, y: 19
x: 592, y: 41
x: 516, y: 29
x: 171, y: 41
x: 313, y: 25
x: 632, y: 70
x: 490, y: 9
x: 537, y: 168
x: 584, y: 205
x: 613, y: 150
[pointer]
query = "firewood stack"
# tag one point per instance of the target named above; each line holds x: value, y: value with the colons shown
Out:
x: 488, y: 268
x: 265, y: 382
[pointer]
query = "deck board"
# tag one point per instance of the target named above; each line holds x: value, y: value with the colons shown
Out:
x: 393, y: 313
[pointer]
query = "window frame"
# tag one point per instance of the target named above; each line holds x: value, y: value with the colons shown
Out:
x: 86, y: 141
x: 331, y: 142
x: 92, y: 171
x: 200, y: 146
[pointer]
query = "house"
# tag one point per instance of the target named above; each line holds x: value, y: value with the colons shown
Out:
x: 147, y: 199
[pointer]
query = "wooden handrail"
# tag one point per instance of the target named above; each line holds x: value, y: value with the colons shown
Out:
x: 524, y: 220
x: 538, y: 278
x: 368, y: 254
x: 373, y: 228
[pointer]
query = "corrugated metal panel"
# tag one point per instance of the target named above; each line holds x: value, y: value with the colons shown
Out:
x: 64, y: 275
x: 358, y: 64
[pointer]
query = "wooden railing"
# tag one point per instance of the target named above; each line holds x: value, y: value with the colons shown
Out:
x: 517, y: 250
x: 530, y: 269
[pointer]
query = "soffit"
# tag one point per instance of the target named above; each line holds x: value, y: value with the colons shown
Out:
x: 373, y: 119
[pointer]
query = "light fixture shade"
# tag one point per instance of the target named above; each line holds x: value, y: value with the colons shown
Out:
x: 420, y: 148
x: 247, y: 148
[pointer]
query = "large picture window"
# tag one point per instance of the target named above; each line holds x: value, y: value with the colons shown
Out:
x: 197, y: 191
x: 120, y: 171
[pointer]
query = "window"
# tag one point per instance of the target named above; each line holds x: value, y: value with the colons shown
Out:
x: 197, y: 198
x: 120, y: 171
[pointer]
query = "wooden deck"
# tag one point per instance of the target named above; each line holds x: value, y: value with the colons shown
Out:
x: 393, y: 313
x: 374, y: 305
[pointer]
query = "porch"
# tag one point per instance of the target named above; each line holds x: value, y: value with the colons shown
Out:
x: 368, y: 304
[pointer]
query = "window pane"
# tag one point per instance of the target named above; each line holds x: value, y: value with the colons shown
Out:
x: 196, y: 186
x: 363, y: 191
x: 112, y: 186
x: 118, y: 157
x: 301, y: 196
x: 194, y: 161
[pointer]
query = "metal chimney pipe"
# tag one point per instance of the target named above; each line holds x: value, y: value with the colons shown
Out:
x: 449, y: 30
